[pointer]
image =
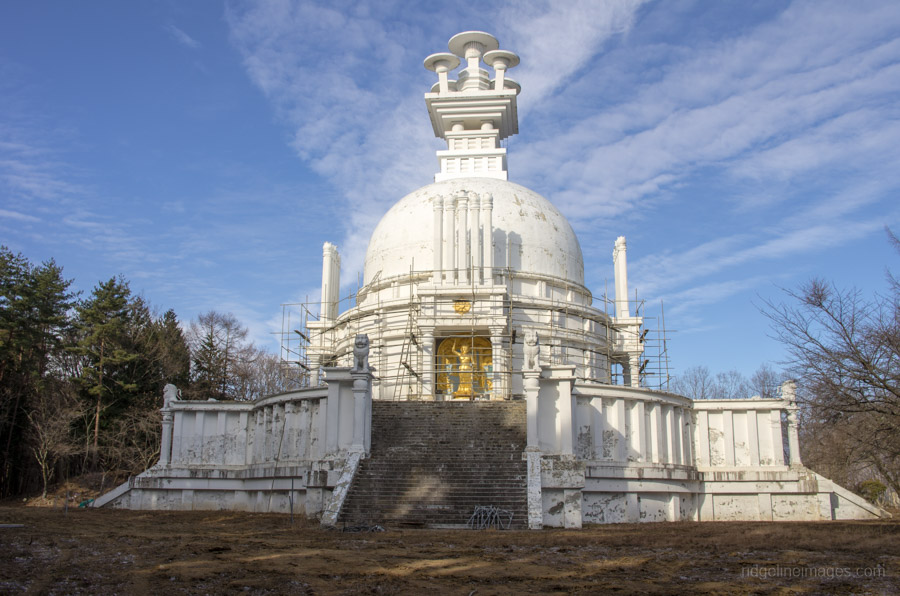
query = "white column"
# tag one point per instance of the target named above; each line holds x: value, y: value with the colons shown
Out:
x: 702, y: 434
x: 532, y: 387
x: 498, y: 357
x: 438, y: 238
x: 618, y: 423
x: 315, y: 363
x: 634, y: 370
x: 198, y: 438
x: 753, y: 437
x: 499, y: 75
x: 462, y: 257
x: 655, y: 435
x: 259, y: 436
x: 474, y: 263
x: 428, y: 373
x: 362, y: 383
x: 687, y: 433
x: 669, y: 423
x: 562, y: 378
x: 487, y: 238
x: 677, y: 436
x: 330, y: 281
x: 635, y: 430
x: 728, y: 432
x: 793, y: 437
x: 449, y: 238
x: 789, y: 395
x: 620, y: 270
x: 165, y: 446
x: 777, y: 437
x: 335, y: 282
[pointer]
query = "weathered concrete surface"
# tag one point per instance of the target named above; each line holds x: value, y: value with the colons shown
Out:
x: 340, y: 490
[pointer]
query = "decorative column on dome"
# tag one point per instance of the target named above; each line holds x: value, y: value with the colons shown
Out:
x: 449, y: 242
x: 474, y: 113
x: 487, y: 243
x: 474, y: 264
x: 438, y: 243
x: 462, y: 216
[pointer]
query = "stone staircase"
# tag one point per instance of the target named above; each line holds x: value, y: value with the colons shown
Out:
x: 432, y: 463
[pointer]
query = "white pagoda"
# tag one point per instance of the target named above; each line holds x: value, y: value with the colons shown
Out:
x: 474, y: 343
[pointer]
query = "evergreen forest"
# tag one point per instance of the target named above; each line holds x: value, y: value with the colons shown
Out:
x: 82, y: 376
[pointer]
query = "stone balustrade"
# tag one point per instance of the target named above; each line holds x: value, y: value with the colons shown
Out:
x: 740, y: 433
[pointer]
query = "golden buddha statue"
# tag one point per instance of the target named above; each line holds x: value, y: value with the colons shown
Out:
x: 463, y: 367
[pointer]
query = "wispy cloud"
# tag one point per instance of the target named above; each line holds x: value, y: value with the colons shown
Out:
x: 688, y: 301
x: 662, y: 272
x: 357, y: 110
x: 182, y: 38
x: 557, y: 39
x: 18, y: 216
x: 351, y: 105
x: 795, y: 116
x: 786, y: 98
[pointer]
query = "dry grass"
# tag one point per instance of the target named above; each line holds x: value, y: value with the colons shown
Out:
x: 90, y: 551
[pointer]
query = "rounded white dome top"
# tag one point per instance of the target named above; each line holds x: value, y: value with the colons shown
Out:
x: 530, y: 235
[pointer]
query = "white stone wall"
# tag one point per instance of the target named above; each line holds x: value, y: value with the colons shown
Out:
x: 289, y: 452
x: 641, y: 456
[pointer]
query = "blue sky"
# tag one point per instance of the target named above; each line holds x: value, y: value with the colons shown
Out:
x: 205, y: 151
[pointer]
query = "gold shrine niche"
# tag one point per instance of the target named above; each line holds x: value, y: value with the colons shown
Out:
x: 464, y: 367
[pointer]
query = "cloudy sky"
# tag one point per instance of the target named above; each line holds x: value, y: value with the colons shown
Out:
x: 205, y: 151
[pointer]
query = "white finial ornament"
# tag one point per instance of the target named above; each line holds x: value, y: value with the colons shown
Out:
x: 474, y: 113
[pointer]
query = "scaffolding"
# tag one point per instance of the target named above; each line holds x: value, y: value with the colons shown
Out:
x: 572, y: 331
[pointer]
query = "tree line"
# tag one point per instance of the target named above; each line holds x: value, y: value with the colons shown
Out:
x: 81, y: 377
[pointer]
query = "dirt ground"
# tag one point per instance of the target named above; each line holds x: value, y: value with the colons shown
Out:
x: 125, y: 552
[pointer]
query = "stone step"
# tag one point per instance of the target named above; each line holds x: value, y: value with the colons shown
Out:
x: 433, y: 463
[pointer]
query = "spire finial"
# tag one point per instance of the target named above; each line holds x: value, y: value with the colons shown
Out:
x: 475, y: 112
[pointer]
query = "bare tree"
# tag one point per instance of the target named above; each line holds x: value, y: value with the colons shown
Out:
x: 696, y: 382
x: 845, y: 350
x: 766, y: 381
x: 260, y: 373
x: 226, y: 366
x: 132, y: 443
x: 53, y: 412
x: 217, y: 346
x: 731, y: 385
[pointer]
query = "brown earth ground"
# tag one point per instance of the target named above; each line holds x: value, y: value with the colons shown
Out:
x: 130, y: 552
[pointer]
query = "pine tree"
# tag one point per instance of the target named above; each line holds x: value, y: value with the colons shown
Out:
x: 35, y: 304
x: 219, y: 348
x: 106, y: 351
x: 174, y: 353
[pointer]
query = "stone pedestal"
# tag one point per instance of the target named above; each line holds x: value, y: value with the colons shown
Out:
x: 535, y: 498
x: 362, y: 411
x: 556, y: 392
x: 532, y: 389
x: 165, y: 446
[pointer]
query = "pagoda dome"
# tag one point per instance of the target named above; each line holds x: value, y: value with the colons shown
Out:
x: 530, y: 235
